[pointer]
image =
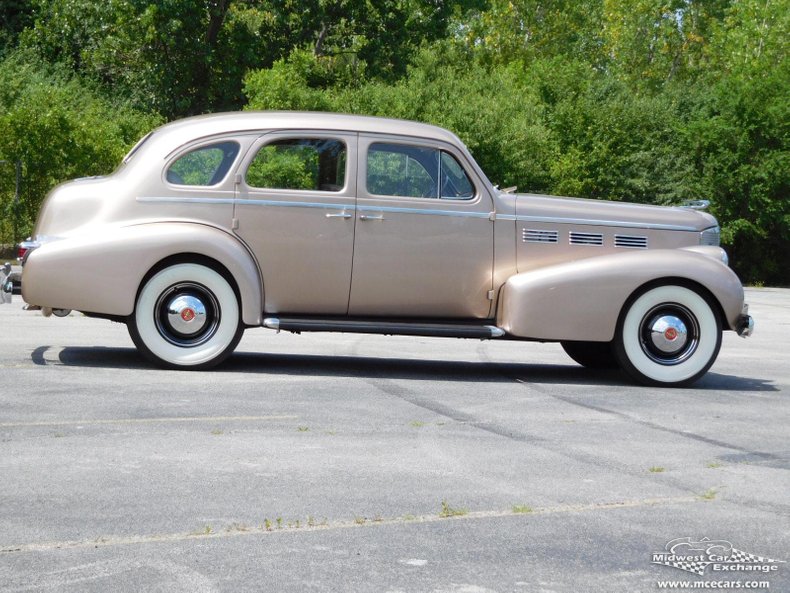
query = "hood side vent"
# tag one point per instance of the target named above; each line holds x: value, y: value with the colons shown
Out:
x: 631, y: 241
x: 585, y: 238
x: 539, y: 236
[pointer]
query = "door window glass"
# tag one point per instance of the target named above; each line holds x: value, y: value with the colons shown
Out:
x: 315, y: 164
x: 455, y: 182
x: 206, y: 165
x: 404, y: 170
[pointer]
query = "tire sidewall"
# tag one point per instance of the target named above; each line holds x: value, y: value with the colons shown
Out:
x: 148, y: 338
x: 628, y: 346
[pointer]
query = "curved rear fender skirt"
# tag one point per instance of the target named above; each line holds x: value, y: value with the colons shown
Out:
x: 101, y: 273
x: 582, y: 300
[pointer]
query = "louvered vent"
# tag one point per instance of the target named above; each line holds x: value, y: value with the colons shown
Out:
x: 632, y: 241
x: 539, y: 236
x: 586, y: 238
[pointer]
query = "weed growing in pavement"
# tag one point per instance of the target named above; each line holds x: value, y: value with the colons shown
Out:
x: 448, y: 511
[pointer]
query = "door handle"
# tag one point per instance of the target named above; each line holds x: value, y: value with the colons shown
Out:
x: 369, y: 217
x: 345, y: 215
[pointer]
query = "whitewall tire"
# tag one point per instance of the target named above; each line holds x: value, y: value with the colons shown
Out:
x: 186, y: 316
x: 668, y: 335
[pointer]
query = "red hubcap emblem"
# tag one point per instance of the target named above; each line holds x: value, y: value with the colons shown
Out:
x: 187, y: 314
x: 671, y: 333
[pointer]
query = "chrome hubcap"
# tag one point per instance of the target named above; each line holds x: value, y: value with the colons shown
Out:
x: 669, y: 334
x: 187, y: 314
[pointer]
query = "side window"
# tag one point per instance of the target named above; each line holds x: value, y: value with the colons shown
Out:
x: 455, y: 182
x: 402, y: 170
x: 206, y: 165
x: 416, y: 172
x: 315, y: 164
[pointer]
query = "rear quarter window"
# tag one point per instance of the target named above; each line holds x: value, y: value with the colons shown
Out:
x: 206, y: 165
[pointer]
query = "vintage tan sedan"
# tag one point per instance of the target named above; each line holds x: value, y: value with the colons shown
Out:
x: 326, y: 222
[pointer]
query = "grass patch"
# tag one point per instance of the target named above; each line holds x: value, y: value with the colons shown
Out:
x: 521, y: 509
x: 714, y: 465
x: 710, y: 494
x: 448, y: 511
x: 656, y: 469
x: 416, y: 424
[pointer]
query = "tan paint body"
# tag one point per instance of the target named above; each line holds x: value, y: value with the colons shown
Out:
x: 351, y: 253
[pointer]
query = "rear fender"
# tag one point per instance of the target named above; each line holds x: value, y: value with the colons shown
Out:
x: 101, y: 273
x: 582, y: 300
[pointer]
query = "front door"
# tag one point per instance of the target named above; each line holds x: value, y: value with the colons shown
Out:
x: 424, y: 236
x: 295, y: 210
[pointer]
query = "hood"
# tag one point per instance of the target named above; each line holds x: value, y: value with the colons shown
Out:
x: 539, y: 208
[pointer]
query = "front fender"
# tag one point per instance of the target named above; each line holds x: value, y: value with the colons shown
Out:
x: 101, y: 272
x: 582, y: 300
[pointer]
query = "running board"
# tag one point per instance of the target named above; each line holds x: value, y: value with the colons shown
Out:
x: 440, y: 330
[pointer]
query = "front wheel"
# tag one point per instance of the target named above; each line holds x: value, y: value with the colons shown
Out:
x: 186, y: 316
x: 668, y: 336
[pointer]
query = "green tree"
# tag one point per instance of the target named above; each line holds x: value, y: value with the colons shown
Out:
x: 59, y: 129
x: 523, y: 30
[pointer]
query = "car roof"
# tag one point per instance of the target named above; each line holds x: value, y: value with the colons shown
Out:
x: 184, y: 130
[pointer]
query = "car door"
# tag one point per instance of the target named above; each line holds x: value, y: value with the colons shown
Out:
x: 294, y: 208
x: 424, y: 235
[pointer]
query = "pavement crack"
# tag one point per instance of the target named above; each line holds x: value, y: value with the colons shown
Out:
x: 237, y: 530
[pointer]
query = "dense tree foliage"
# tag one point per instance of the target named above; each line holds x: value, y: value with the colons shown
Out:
x: 654, y: 101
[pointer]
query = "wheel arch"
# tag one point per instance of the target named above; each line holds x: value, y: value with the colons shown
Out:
x: 191, y: 258
x: 697, y: 287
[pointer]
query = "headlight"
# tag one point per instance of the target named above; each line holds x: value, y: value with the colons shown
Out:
x: 711, y: 236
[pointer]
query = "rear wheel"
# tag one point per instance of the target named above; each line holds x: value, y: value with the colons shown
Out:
x: 186, y: 316
x: 669, y: 335
x: 593, y: 355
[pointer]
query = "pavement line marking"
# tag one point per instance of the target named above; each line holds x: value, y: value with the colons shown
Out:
x: 270, y: 528
x: 145, y: 420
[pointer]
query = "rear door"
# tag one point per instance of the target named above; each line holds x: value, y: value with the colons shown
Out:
x: 295, y: 210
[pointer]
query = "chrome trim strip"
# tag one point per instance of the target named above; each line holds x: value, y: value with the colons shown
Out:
x: 182, y: 200
x: 426, y: 211
x: 593, y: 222
x: 324, y: 205
x: 288, y: 204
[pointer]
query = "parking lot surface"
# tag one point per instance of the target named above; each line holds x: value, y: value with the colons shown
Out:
x: 329, y: 462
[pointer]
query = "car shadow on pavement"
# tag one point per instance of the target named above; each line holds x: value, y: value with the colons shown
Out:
x: 391, y: 368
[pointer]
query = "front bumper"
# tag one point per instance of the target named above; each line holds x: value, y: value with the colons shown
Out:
x: 745, y: 325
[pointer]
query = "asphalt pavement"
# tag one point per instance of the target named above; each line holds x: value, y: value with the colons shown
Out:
x: 339, y: 462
